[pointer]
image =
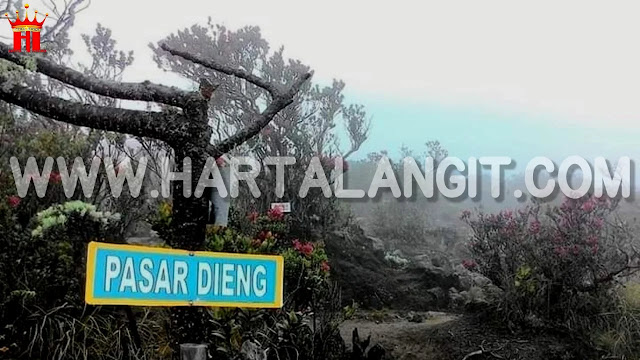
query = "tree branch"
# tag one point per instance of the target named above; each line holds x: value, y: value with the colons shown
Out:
x: 134, y: 122
x: 273, y: 89
x: 277, y: 104
x: 145, y: 91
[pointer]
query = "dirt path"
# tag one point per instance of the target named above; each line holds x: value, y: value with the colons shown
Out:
x: 402, y: 339
x: 444, y: 336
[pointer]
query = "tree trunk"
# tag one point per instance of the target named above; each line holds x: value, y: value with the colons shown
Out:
x: 190, y: 214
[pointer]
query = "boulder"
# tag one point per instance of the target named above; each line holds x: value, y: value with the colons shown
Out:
x: 377, y: 243
x: 368, y: 279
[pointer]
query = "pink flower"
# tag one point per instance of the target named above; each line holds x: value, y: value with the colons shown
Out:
x: 588, y: 206
x: 220, y: 162
x: 592, y: 240
x: 325, y: 267
x: 561, y: 251
x: 507, y: 214
x: 276, y: 213
x: 55, y: 177
x: 469, y: 264
x: 597, y: 223
x: 558, y: 237
x: 576, y: 250
x: 534, y: 227
x: 14, y: 201
x: 253, y: 216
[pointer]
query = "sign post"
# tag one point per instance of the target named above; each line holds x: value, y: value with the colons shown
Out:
x: 149, y: 276
x: 193, y: 352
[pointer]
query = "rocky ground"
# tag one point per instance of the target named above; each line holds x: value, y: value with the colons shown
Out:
x: 376, y: 279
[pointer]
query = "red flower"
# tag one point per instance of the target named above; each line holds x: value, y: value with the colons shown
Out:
x: 325, y: 266
x: 253, y: 216
x: 304, y: 248
x: 55, y: 177
x: 276, y: 213
x: 14, y: 201
x: 307, y: 249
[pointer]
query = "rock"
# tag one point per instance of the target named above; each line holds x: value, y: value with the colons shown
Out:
x: 439, y: 295
x: 414, y: 317
x: 469, y: 279
x: 456, y: 298
x: 396, y: 259
x: 474, y: 291
x: 480, y: 280
x: 367, y: 278
x: 377, y: 243
x: 481, y: 297
x: 441, y: 261
x: 434, y: 260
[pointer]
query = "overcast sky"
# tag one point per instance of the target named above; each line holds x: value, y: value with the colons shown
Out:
x: 485, y: 77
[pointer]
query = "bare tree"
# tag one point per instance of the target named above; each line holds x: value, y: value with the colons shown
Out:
x: 186, y: 130
x: 320, y: 122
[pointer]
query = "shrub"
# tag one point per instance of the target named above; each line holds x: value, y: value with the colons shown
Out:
x: 42, y: 309
x: 307, y: 325
x: 557, y: 266
x: 309, y: 319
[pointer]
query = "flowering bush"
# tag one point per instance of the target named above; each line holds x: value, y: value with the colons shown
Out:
x: 557, y: 265
x: 307, y: 292
x: 287, y: 332
x: 306, y: 263
x: 57, y: 216
x: 41, y: 292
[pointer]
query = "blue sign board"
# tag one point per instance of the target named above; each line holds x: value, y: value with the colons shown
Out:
x: 150, y: 276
